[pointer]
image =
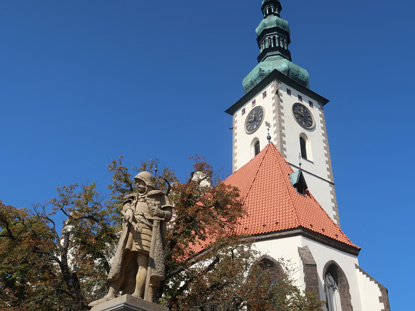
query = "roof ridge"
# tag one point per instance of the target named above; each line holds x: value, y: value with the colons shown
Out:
x: 289, y: 192
x: 256, y: 173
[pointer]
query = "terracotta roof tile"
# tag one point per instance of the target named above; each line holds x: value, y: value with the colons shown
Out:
x: 273, y: 204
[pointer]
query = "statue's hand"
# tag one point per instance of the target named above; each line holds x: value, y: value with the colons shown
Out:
x: 158, y: 212
x: 129, y: 215
x: 153, y: 208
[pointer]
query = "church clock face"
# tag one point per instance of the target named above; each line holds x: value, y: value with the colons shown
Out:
x: 254, y: 120
x: 303, y: 116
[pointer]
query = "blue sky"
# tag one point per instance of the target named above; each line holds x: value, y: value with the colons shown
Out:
x: 84, y: 81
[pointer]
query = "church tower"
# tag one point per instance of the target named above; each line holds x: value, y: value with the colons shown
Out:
x: 282, y: 166
x: 279, y: 105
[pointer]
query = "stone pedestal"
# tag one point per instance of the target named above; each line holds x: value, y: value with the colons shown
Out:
x: 128, y: 303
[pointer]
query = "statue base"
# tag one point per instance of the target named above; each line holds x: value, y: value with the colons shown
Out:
x: 128, y: 303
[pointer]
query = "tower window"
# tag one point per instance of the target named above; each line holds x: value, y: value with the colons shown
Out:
x: 256, y: 147
x: 303, y: 148
x: 288, y: 91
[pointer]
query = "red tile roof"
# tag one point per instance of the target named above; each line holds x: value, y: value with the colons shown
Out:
x: 274, y: 205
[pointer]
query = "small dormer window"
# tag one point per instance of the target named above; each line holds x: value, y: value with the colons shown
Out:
x: 297, y: 180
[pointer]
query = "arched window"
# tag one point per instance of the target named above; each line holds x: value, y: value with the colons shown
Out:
x: 305, y: 148
x: 257, y: 147
x: 266, y: 275
x: 332, y: 294
x: 337, y: 288
x: 274, y: 41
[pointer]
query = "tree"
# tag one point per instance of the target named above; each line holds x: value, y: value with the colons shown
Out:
x: 44, y: 269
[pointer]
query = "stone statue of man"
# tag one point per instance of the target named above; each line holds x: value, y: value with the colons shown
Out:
x: 138, y: 266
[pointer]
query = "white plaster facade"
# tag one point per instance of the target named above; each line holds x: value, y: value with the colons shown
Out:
x: 285, y: 133
x: 364, y: 292
x: 370, y: 300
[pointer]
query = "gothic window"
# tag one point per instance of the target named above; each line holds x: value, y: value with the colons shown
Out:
x: 337, y: 288
x: 266, y: 273
x: 332, y: 294
x: 274, y: 41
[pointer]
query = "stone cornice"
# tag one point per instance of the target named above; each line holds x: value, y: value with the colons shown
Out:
x: 308, y: 234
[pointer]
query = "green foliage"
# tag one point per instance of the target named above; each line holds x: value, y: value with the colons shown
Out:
x: 44, y: 268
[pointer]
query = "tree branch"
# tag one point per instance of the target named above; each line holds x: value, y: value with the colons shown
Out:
x: 190, y: 280
x: 55, y: 233
x: 10, y: 234
x: 53, y: 257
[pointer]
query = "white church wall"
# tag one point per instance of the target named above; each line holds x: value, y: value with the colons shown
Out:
x: 364, y: 293
x: 324, y: 254
x: 287, y: 249
x: 370, y: 299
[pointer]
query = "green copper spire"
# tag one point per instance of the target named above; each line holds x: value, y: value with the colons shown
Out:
x: 273, y: 37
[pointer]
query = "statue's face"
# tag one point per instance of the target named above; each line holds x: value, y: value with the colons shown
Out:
x: 141, y: 186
